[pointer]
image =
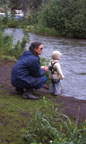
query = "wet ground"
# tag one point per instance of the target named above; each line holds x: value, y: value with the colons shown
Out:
x: 72, y: 107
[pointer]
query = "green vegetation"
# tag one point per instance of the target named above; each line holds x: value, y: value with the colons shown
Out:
x: 12, y: 120
x: 58, y: 17
x: 49, y: 126
x: 43, y: 62
x: 67, y: 17
x: 8, y: 49
x: 53, y: 130
x: 40, y: 122
x: 12, y: 23
x: 16, y: 113
x: 42, y: 30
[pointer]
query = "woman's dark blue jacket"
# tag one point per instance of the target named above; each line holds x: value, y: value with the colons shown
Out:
x: 27, y: 73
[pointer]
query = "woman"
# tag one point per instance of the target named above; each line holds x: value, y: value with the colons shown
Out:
x: 27, y: 74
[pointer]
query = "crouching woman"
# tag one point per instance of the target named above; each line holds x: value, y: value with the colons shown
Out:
x: 27, y: 74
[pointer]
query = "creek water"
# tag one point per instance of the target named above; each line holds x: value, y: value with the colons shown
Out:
x: 73, y: 61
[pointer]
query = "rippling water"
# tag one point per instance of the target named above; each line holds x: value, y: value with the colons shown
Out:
x: 73, y: 60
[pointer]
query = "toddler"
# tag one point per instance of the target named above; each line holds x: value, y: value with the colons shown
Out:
x: 56, y: 73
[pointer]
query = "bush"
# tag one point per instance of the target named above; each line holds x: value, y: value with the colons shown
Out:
x: 5, y: 43
x: 13, y: 23
x: 7, y: 47
x: 17, y: 50
x: 32, y: 18
x: 42, y: 30
x: 68, y: 17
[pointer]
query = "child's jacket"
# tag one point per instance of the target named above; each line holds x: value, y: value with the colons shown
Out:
x: 56, y: 72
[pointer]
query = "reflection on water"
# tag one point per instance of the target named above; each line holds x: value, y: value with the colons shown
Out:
x: 73, y: 60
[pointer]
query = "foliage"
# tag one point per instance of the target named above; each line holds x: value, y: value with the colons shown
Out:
x: 17, y: 4
x: 14, y: 116
x: 42, y: 30
x: 34, y: 4
x: 63, y: 131
x: 68, y: 17
x: 5, y: 43
x: 40, y: 127
x: 7, y: 47
x: 2, y: 25
x: 43, y: 62
x: 12, y: 23
x: 18, y: 49
x: 32, y: 18
x: 16, y: 113
x: 42, y: 118
x: 5, y: 3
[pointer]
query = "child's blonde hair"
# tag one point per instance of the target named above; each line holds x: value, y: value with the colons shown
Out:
x: 56, y: 55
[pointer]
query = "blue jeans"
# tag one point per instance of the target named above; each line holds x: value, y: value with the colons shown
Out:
x: 43, y: 81
x: 55, y: 88
x: 40, y: 85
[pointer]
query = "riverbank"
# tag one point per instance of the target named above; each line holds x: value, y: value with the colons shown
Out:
x: 70, y: 106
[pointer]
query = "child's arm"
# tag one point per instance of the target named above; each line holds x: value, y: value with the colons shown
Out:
x: 58, y: 67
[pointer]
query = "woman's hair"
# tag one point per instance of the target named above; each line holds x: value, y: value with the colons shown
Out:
x: 34, y: 45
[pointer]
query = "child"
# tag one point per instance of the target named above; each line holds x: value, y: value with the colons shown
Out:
x: 56, y: 73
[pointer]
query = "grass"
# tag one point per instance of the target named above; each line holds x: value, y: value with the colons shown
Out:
x: 15, y: 114
x: 12, y: 119
x: 36, y: 122
x: 41, y: 30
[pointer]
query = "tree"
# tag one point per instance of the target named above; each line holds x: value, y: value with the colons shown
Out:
x: 19, y: 4
x: 68, y: 17
x: 5, y: 3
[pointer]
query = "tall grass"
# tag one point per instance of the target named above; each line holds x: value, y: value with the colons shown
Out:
x: 54, y: 128
x: 8, y: 49
x: 42, y: 30
x: 18, y: 49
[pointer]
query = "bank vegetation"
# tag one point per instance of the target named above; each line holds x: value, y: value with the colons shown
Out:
x: 67, y: 17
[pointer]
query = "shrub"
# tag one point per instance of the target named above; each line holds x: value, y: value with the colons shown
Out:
x: 68, y: 17
x: 5, y: 43
x: 42, y: 30
x: 18, y: 49
x: 7, y: 47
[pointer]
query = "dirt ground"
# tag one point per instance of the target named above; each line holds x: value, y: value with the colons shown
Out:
x: 72, y: 107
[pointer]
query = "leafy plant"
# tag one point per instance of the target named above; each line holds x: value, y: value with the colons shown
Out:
x: 7, y: 47
x: 42, y: 130
x: 18, y: 49
x: 43, y: 62
x: 5, y: 43
x: 55, y: 130
x: 68, y: 17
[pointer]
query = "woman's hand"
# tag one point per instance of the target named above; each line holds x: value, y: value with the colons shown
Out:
x: 45, y: 67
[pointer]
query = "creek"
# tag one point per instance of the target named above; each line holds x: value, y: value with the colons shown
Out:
x: 73, y: 61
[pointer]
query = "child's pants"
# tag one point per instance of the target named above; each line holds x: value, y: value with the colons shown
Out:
x: 55, y: 88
